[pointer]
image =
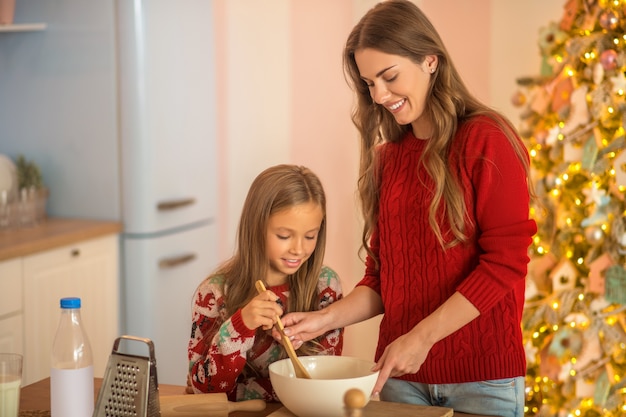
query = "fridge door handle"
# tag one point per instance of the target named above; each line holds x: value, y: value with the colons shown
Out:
x: 175, y: 204
x: 175, y: 261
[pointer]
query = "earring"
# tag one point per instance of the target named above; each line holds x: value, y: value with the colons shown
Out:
x: 432, y: 70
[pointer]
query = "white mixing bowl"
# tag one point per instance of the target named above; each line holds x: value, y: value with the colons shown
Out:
x: 322, y: 395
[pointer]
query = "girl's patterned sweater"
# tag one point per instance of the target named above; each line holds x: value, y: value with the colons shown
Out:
x: 226, y: 356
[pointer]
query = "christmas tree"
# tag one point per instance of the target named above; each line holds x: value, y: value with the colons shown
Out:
x: 573, y: 117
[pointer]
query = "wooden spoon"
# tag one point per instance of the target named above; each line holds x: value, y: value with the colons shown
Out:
x: 300, y: 370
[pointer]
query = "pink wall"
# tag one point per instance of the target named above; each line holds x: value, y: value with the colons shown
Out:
x: 222, y: 127
x: 465, y: 27
x: 323, y: 136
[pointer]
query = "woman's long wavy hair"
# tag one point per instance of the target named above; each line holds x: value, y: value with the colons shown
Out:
x: 399, y: 27
x: 277, y: 188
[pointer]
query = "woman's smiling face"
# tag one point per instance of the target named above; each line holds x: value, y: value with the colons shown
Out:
x: 398, y: 84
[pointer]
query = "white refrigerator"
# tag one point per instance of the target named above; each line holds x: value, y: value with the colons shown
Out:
x: 167, y: 113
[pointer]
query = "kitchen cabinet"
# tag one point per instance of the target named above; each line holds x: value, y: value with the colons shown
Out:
x: 41, y: 265
x: 87, y: 270
x: 11, y: 311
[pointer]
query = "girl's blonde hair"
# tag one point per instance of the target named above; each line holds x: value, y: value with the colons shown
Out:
x: 277, y: 188
x: 399, y: 27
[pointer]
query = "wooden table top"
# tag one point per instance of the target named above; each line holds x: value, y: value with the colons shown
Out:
x: 35, y: 402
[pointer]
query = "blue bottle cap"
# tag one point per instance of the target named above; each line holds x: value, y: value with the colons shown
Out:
x: 70, y: 302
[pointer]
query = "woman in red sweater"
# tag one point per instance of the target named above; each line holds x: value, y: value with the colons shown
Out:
x: 444, y: 187
x: 281, y: 240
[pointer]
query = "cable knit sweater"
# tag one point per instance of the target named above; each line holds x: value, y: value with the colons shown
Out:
x: 416, y: 275
x: 226, y: 356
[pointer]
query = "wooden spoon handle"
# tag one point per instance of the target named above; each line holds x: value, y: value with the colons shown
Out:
x: 299, y: 369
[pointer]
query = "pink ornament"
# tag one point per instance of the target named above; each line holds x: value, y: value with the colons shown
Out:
x: 609, y: 20
x: 597, y: 269
x: 518, y: 99
x: 608, y: 59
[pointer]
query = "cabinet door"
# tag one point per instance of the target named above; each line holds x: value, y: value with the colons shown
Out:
x: 11, y: 312
x: 88, y: 270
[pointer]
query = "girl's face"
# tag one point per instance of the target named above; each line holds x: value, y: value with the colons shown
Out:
x: 291, y: 239
x: 398, y: 84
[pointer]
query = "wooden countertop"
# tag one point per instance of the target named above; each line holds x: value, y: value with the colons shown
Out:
x: 52, y: 233
x: 35, y: 399
x: 35, y: 402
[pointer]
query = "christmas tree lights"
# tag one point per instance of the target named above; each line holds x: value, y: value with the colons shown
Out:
x: 573, y: 122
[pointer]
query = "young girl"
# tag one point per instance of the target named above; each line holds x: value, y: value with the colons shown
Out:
x: 281, y: 240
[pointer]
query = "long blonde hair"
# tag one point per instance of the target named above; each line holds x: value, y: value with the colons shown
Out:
x: 276, y: 188
x: 399, y: 27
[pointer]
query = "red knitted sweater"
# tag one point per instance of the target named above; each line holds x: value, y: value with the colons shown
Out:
x: 416, y: 275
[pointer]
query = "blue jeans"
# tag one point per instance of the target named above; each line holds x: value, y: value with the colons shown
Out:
x: 498, y: 397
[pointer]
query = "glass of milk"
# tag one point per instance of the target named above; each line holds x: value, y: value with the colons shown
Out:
x: 10, y: 381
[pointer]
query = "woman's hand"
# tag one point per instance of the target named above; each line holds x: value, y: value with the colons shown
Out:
x: 405, y: 355
x: 261, y: 311
x: 300, y: 327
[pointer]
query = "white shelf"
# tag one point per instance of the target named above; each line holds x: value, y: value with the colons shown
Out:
x: 23, y: 27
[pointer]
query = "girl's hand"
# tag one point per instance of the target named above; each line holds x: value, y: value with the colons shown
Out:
x: 261, y: 311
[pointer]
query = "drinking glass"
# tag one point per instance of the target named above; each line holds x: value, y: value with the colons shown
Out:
x: 10, y: 381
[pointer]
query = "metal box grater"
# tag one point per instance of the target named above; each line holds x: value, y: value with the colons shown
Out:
x: 129, y: 387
